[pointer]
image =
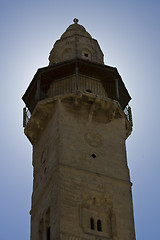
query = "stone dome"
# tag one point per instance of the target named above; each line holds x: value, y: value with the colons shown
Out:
x: 74, y: 43
x: 75, y: 29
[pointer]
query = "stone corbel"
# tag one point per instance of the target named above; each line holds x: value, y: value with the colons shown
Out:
x: 77, y: 98
x: 93, y: 109
x: 112, y: 111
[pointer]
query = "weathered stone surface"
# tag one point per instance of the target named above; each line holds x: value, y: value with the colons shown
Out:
x: 80, y: 172
x: 76, y: 42
x: 81, y: 185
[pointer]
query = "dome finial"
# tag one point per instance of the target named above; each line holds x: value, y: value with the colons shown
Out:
x: 75, y: 20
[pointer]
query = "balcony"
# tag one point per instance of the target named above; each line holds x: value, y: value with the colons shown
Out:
x: 72, y: 76
x: 70, y: 85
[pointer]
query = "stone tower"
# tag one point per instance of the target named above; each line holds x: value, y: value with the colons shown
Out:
x: 77, y: 119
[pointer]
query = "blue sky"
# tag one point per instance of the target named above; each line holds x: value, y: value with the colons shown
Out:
x: 129, y: 35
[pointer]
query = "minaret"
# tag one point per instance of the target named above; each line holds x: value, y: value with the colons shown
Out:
x: 77, y: 119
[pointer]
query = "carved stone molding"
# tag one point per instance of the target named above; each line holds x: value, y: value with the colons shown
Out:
x: 111, y: 110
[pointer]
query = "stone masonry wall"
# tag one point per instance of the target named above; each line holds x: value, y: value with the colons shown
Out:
x: 81, y: 176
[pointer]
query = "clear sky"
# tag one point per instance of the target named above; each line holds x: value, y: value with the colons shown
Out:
x: 129, y: 35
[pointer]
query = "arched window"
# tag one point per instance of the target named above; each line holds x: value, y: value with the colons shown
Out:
x: 99, y: 225
x: 92, y: 223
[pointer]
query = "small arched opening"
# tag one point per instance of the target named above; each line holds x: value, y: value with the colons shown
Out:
x: 99, y: 225
x: 92, y: 223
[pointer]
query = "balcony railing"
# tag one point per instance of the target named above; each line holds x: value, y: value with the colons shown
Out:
x: 72, y: 84
x: 26, y: 116
x: 128, y: 113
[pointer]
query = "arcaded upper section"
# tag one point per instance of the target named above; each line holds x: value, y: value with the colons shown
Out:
x: 76, y: 42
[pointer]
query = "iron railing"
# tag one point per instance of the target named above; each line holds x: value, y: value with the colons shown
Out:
x: 71, y: 84
x: 26, y: 116
x: 128, y: 113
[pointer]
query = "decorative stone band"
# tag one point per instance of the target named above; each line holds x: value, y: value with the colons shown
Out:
x: 111, y: 110
x: 67, y: 236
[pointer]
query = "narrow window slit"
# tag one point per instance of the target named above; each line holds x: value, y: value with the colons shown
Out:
x: 99, y: 225
x: 48, y: 233
x: 92, y: 223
